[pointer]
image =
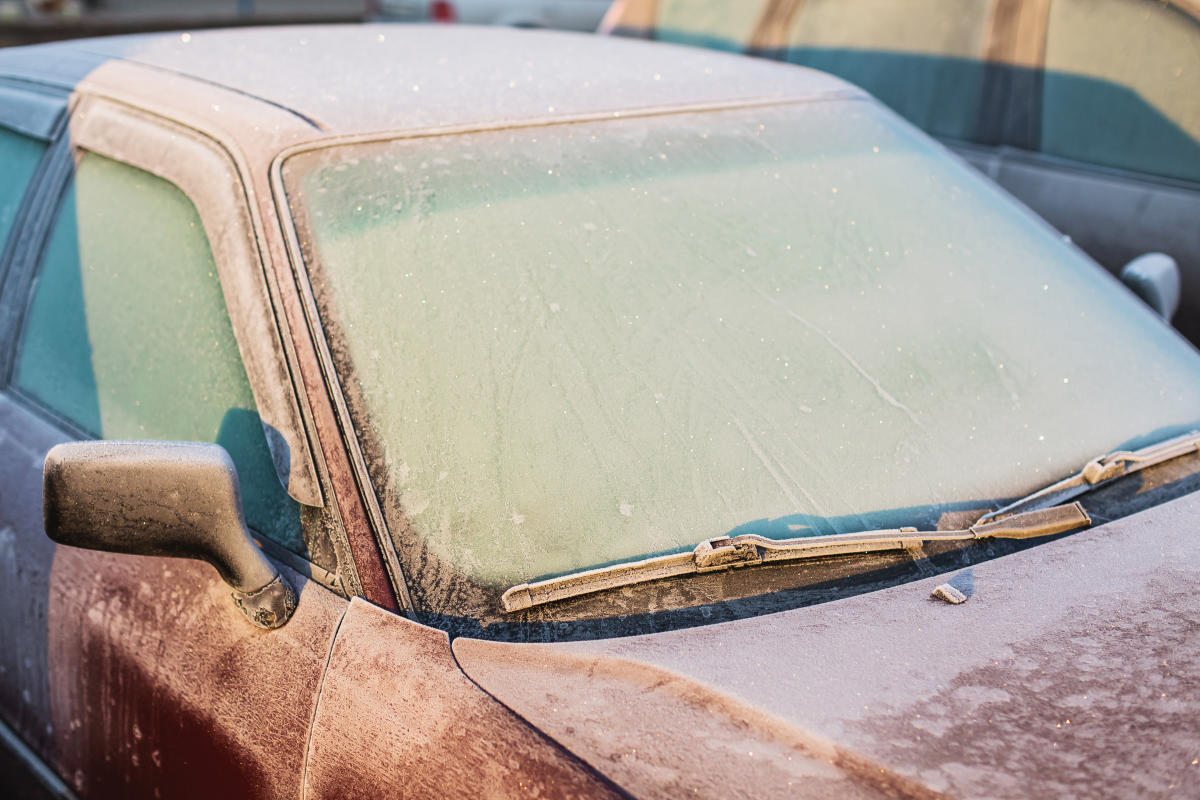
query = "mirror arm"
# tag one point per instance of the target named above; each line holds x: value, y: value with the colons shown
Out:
x: 175, y: 499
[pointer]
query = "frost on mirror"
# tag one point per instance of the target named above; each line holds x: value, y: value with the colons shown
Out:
x: 573, y: 345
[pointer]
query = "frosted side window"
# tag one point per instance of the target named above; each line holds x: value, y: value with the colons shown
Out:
x: 127, y: 335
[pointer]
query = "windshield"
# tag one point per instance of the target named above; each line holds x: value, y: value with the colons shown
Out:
x: 572, y: 345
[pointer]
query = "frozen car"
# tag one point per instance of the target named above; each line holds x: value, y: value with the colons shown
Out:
x: 564, y: 416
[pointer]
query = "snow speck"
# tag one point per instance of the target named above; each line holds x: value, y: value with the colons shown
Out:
x: 626, y: 510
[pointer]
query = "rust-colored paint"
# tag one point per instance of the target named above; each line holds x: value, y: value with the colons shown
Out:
x: 371, y: 571
x: 398, y: 719
x: 660, y: 735
x: 160, y: 688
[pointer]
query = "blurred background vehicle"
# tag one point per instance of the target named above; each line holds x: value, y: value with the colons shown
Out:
x: 1088, y: 111
x: 572, y: 15
x: 34, y: 21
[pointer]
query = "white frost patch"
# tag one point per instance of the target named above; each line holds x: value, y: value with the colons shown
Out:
x: 626, y: 510
x: 414, y: 505
x: 554, y: 308
x: 517, y: 518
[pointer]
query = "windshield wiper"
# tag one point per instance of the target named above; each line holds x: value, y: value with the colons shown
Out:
x: 751, y: 550
x: 1098, y: 472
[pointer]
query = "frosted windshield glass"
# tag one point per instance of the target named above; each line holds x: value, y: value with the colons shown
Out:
x: 572, y: 345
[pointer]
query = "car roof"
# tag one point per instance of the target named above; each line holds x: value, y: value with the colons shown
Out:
x: 368, y: 78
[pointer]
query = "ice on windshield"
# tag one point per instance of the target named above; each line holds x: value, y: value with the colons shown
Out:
x: 572, y: 345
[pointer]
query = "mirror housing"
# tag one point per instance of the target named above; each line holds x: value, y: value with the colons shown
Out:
x: 1154, y: 277
x: 178, y: 499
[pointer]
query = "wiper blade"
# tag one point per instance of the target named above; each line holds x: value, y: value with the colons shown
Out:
x: 729, y: 552
x: 1098, y: 472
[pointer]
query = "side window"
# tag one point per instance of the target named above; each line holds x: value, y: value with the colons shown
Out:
x: 921, y: 57
x: 19, y: 157
x: 127, y: 335
x: 1122, y: 85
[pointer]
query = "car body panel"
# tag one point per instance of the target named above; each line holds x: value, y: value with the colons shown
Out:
x: 302, y: 70
x: 1072, y: 670
x: 397, y: 718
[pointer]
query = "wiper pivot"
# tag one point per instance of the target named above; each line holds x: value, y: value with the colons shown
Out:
x: 1100, y: 471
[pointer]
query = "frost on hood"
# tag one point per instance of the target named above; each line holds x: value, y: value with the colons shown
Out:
x: 586, y: 343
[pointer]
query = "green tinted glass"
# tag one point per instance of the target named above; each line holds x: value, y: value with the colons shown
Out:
x: 588, y: 343
x: 128, y: 336
x: 19, y: 157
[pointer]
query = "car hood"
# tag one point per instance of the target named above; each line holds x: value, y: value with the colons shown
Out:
x: 1073, y: 669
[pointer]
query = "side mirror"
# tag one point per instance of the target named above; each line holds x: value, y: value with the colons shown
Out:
x: 1154, y: 277
x: 177, y: 499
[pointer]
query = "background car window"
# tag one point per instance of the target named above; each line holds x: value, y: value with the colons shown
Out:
x: 127, y: 335
x: 1122, y: 85
x: 708, y: 23
x: 20, y: 156
x: 921, y: 57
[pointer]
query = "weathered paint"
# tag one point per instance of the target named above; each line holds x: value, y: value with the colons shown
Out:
x: 660, y: 735
x: 160, y: 688
x: 1073, y: 670
x: 398, y: 719
x: 136, y: 676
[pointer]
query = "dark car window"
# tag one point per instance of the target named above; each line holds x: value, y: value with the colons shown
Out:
x: 1122, y: 85
x: 127, y: 335
x: 921, y: 57
x: 19, y: 156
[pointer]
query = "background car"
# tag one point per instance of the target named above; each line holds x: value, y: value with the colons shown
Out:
x: 537, y: 356
x: 1087, y: 111
x: 570, y: 15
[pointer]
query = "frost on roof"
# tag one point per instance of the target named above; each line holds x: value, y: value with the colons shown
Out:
x: 389, y: 77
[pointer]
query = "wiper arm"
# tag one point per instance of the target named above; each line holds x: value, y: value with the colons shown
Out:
x: 1098, y: 472
x: 751, y: 550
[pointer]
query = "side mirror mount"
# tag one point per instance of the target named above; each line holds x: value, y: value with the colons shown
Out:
x: 178, y: 499
x: 1154, y: 277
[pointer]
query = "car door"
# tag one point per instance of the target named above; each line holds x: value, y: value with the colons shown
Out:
x: 30, y: 118
x: 133, y: 306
